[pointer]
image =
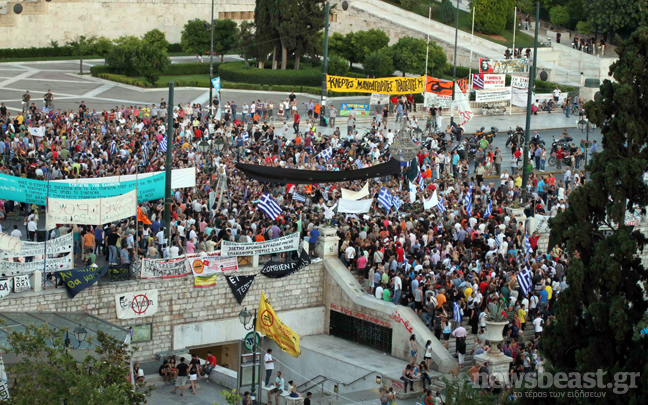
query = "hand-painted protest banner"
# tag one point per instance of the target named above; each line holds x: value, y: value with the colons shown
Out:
x: 4, y: 389
x: 385, y: 85
x: 542, y: 223
x: 382, y: 99
x: 436, y: 100
x: 208, y: 281
x: 361, y: 110
x: 21, y: 283
x: 283, y: 244
x: 462, y: 105
x: 180, y: 178
x: 78, y: 280
x: 5, y: 287
x: 270, y: 325
x: 9, y: 244
x: 487, y: 96
x: 55, y: 246
x: 503, y: 65
x: 520, y: 82
x: 277, y: 269
x: 52, y: 265
x: 149, y: 187
x: 240, y: 286
x: 96, y: 211
x: 155, y: 268
x: 209, y: 265
x: 354, y: 206
x: 138, y: 304
x: 356, y: 195
x: 486, y: 81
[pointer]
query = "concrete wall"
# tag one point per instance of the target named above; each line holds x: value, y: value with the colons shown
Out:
x: 62, y: 20
x: 183, y: 309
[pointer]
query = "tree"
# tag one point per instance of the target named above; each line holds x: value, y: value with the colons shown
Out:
x: 342, y: 45
x: 446, y: 12
x: 150, y: 61
x: 491, y: 15
x: 310, y: 17
x: 598, y: 315
x: 337, y: 66
x: 121, y: 55
x: 266, y: 35
x: 559, y: 15
x: 156, y: 38
x: 225, y: 35
x: 82, y: 45
x: 366, y: 42
x: 195, y: 36
x: 437, y: 59
x: 621, y: 17
x: 408, y: 55
x: 246, y: 42
x: 48, y: 373
x: 102, y: 46
x: 378, y: 64
x: 584, y: 27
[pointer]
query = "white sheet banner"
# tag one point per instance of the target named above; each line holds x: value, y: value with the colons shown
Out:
x: 376, y: 98
x: 542, y: 223
x: 4, y: 390
x: 52, y: 265
x: 354, y: 207
x: 432, y: 202
x: 356, y: 195
x: 486, y: 81
x: 462, y: 104
x: 5, y: 287
x: 94, y: 211
x: 37, y: 131
x: 209, y: 265
x: 138, y: 304
x: 520, y: 82
x: 153, y: 268
x: 55, y: 246
x: 487, y: 96
x: 432, y: 99
x: 180, y: 178
x: 519, y: 97
x: 283, y: 244
x: 21, y: 283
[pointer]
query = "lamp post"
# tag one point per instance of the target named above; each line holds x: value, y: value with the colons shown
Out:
x: 532, y: 73
x: 584, y: 126
x: 324, y: 67
x: 211, y: 60
x: 80, y: 334
x: 218, y: 145
x: 454, y: 67
x: 244, y: 317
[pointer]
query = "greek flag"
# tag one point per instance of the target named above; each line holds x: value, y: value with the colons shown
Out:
x: 163, y: 145
x: 113, y: 148
x: 145, y: 154
x: 456, y: 312
x: 440, y: 206
x: 527, y: 245
x: 358, y: 163
x: 489, y: 209
x: 45, y: 110
x: 421, y: 182
x: 497, y: 241
x: 397, y: 202
x: 326, y: 154
x: 468, y: 201
x: 245, y: 196
x: 385, y: 198
x: 524, y: 281
x: 269, y: 206
x: 245, y: 136
x: 298, y: 197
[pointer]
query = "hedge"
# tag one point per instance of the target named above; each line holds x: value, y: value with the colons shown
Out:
x: 175, y: 48
x: 99, y: 69
x: 123, y: 79
x: 8, y: 53
x: 190, y: 68
x: 238, y: 72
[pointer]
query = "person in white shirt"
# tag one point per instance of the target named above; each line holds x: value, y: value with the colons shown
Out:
x: 379, y: 292
x: 268, y: 361
x: 16, y: 232
x: 32, y: 227
x: 537, y: 324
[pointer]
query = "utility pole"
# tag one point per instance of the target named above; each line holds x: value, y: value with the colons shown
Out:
x: 324, y: 67
x: 211, y: 60
x: 532, y: 70
x: 168, y: 193
x: 454, y: 67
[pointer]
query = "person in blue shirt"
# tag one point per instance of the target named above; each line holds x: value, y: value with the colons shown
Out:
x: 314, y: 235
x: 544, y: 299
x: 455, y: 162
x: 399, y: 111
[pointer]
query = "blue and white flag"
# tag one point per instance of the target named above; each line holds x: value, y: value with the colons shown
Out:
x: 113, y: 148
x: 269, y: 206
x: 358, y: 163
x: 245, y: 196
x: 385, y: 198
x: 45, y: 110
x: 489, y: 209
x: 245, y: 136
x: 524, y: 281
x: 468, y: 201
x: 421, y: 182
x: 456, y: 312
x: 298, y: 197
x: 216, y: 83
x: 163, y: 145
x: 527, y: 245
x: 145, y: 154
x: 397, y: 202
x: 497, y: 241
x: 326, y: 154
x: 440, y: 206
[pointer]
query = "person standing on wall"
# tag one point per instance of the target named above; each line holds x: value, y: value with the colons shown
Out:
x: 269, y: 361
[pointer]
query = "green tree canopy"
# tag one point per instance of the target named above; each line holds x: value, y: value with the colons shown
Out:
x: 491, y: 15
x: 337, y: 66
x: 342, y: 45
x: 408, y: 55
x: 446, y: 11
x: 378, y: 64
x: 156, y: 38
x: 195, y: 37
x: 47, y: 374
x: 559, y: 15
x: 225, y: 36
x: 120, y: 57
x: 366, y: 42
x: 617, y: 16
x: 598, y: 316
x: 82, y: 45
x: 150, y: 61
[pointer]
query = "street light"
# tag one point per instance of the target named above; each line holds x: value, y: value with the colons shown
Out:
x: 218, y: 144
x: 244, y: 317
x: 203, y: 146
x: 211, y: 60
x: 80, y: 334
x: 584, y: 126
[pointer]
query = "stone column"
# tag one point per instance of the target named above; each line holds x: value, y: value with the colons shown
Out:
x: 327, y: 243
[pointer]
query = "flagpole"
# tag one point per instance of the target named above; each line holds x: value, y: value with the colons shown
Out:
x: 514, y: 29
x: 136, y: 215
x: 427, y: 49
x: 472, y: 40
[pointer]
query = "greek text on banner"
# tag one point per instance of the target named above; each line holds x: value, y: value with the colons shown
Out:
x: 386, y: 85
x: 96, y: 211
x: 283, y: 244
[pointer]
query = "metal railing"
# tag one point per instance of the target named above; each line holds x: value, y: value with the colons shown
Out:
x: 324, y: 379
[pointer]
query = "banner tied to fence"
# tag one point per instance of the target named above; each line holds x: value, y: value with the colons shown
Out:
x: 385, y: 85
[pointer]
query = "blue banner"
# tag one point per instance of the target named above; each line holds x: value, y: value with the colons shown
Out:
x: 35, y: 191
x: 78, y: 280
x: 361, y: 110
x: 216, y: 83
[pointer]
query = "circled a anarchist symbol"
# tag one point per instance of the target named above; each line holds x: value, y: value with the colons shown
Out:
x: 267, y: 318
x: 140, y: 304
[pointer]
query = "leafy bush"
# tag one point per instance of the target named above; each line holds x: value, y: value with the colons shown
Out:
x: 337, y: 66
x: 491, y: 15
x: 408, y: 4
x: 559, y: 15
x: 99, y: 69
x: 123, y: 79
x: 175, y: 48
x: 584, y: 27
x: 237, y: 72
x: 378, y: 64
x: 156, y: 38
x: 446, y: 12
x: 36, y: 52
x: 190, y: 68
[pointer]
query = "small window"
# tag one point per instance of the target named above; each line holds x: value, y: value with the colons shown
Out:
x: 142, y: 333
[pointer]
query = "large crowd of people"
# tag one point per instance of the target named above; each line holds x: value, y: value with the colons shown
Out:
x: 447, y: 263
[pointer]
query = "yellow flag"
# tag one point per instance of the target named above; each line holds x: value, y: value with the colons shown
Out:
x: 208, y: 281
x: 269, y: 324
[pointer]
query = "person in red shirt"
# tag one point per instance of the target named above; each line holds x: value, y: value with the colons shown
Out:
x: 560, y: 154
x: 400, y: 253
x: 210, y: 364
x: 296, y: 122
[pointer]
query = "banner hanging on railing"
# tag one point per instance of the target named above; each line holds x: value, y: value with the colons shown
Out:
x: 137, y: 304
x: 5, y: 287
x: 520, y: 65
x: 240, y: 286
x: 78, y: 280
x: 96, y: 211
x: 171, y: 268
x: 385, y: 85
x: 283, y: 244
x: 485, y: 81
x: 278, y: 269
x: 204, y: 266
x: 52, y: 265
x: 62, y: 244
x: 487, y: 96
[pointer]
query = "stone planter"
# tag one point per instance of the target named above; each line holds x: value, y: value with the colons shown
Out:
x: 494, y: 334
x: 517, y: 213
x: 327, y: 244
x: 498, y: 362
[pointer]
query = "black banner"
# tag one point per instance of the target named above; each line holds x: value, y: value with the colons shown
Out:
x: 277, y: 269
x: 240, y: 286
x: 78, y: 280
